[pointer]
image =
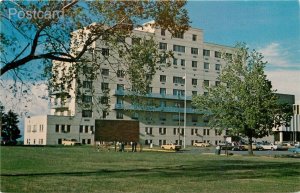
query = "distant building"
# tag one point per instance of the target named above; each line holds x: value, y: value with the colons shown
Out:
x: 161, y: 121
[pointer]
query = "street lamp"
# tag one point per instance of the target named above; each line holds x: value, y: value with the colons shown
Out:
x: 184, y: 117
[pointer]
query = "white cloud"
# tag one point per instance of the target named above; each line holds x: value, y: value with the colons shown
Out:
x: 286, y: 82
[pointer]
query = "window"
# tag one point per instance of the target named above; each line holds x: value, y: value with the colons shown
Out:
x: 87, y: 113
x: 163, y: 78
x: 194, y: 64
x: 174, y: 131
x: 105, y: 72
x: 162, y: 131
x: 206, y: 52
x: 177, y: 92
x: 217, y: 54
x: 63, y: 128
x: 182, y: 62
x: 218, y: 67
x: 194, y: 37
x: 105, y: 51
x: 88, y: 141
x: 68, y: 128
x: 119, y: 115
x: 194, y: 51
x: 163, y: 32
x: 175, y: 61
x: 83, y: 141
x: 149, y: 90
x: 178, y: 35
x: 206, y: 82
x: 57, y: 128
x: 135, y: 41
x: 207, y: 131
x: 87, y: 84
x: 178, y: 80
x: 104, y: 114
x: 104, y: 100
x: 120, y: 73
x: 148, y: 130
x: 86, y: 129
x: 119, y: 100
x: 228, y: 56
x: 206, y: 65
x: 218, y: 83
x: 87, y: 99
x: 162, y: 91
x: 194, y: 81
x: 194, y: 93
x: 178, y: 48
x: 135, y: 115
x: 104, y: 86
x: 120, y: 86
x: 80, y: 128
x: 204, y: 131
x: 163, y: 46
x: 163, y: 60
x: 163, y: 103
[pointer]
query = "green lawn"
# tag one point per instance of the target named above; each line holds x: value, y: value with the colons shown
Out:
x: 83, y: 169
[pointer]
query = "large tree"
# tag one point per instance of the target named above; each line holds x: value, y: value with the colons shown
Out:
x: 9, y: 128
x: 244, y: 102
x: 40, y: 32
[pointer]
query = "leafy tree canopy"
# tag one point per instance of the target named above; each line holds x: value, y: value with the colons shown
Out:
x: 244, y: 101
x: 10, y: 131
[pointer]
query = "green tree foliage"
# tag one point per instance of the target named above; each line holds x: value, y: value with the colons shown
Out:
x: 10, y: 131
x: 244, y: 102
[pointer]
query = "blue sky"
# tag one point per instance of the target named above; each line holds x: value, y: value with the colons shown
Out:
x: 271, y: 27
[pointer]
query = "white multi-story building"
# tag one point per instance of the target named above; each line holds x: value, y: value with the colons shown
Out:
x: 168, y: 115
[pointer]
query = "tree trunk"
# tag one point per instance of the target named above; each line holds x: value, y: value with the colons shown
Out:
x: 250, y: 150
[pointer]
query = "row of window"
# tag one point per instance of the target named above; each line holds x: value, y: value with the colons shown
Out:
x: 67, y: 128
x: 180, y: 131
x: 35, y: 141
x: 35, y: 128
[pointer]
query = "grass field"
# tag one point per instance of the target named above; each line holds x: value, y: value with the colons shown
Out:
x: 83, y: 169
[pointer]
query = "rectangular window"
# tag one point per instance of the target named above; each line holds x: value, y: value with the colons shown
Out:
x: 87, y: 99
x: 175, y: 61
x: 218, y: 67
x: 119, y: 115
x: 120, y: 86
x: 194, y: 81
x: 104, y: 86
x: 162, y: 131
x: 88, y: 141
x: 120, y: 73
x: 148, y: 130
x: 206, y: 52
x: 177, y: 92
x: 87, y: 113
x: 68, y: 128
x: 104, y: 100
x: 62, y: 128
x: 178, y: 80
x: 204, y: 131
x: 218, y: 83
x: 206, y: 83
x: 57, y: 128
x: 194, y: 37
x: 194, y: 93
x: 104, y: 114
x: 105, y: 51
x: 162, y: 32
x: 119, y: 100
x: 194, y: 118
x: 87, y: 84
x: 86, y: 129
x: 178, y: 48
x: 162, y: 116
x: 194, y: 51
x: 163, y: 46
x: 182, y: 62
x: 162, y: 91
x: 178, y: 35
x: 206, y: 66
x: 174, y: 131
x: 105, y: 72
x: 194, y: 64
x: 163, y: 78
x: 207, y: 131
x: 163, y: 103
x: 163, y: 60
x: 80, y: 128
x: 217, y: 54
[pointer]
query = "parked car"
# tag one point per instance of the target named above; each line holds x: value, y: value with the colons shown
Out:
x: 294, y: 150
x: 269, y: 146
x: 171, y: 146
x: 201, y: 144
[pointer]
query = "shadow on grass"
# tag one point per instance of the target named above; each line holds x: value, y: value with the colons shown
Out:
x: 209, y: 170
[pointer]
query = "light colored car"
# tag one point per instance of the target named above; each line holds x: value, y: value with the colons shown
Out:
x: 171, y: 146
x: 269, y: 146
x: 201, y: 144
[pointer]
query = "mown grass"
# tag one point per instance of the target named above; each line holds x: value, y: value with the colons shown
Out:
x: 83, y: 169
